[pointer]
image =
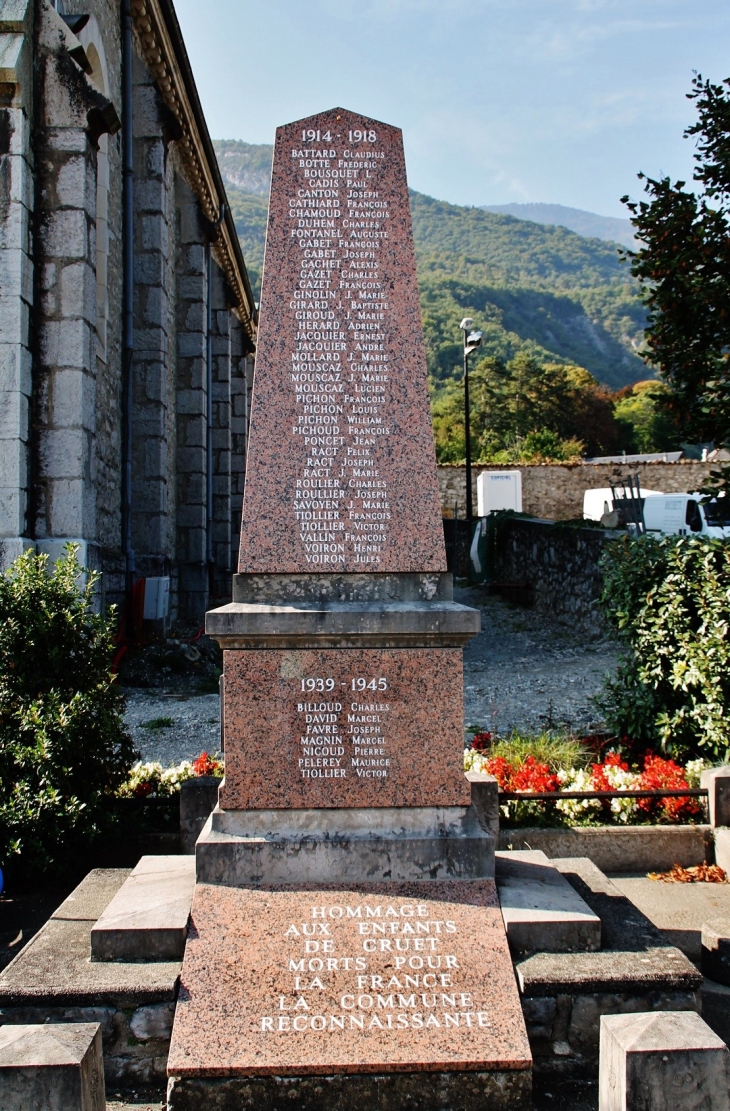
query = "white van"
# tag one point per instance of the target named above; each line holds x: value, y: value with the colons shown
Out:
x: 684, y: 514
x: 598, y: 502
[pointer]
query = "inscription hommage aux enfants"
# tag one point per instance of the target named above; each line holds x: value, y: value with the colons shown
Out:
x: 400, y: 976
x: 339, y: 363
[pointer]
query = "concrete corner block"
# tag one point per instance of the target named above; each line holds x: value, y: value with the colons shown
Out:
x: 148, y: 917
x: 722, y: 849
x: 717, y: 783
x: 198, y: 799
x: 56, y: 1066
x: 485, y: 799
x: 715, y: 953
x: 541, y: 910
x: 662, y: 1061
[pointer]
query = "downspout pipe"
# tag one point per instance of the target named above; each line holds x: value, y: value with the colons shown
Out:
x: 209, y: 548
x: 127, y: 305
x: 209, y: 422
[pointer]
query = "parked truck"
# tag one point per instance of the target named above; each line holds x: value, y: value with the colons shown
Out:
x: 667, y: 514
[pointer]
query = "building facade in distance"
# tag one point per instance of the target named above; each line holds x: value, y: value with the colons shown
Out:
x: 127, y: 323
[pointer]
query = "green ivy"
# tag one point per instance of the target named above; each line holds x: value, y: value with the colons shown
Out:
x: 64, y: 749
x: 669, y: 602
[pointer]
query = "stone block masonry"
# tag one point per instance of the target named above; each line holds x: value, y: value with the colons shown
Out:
x: 556, y: 566
x: 564, y: 995
x: 52, y: 980
x: 62, y: 397
x: 555, y: 490
x: 16, y: 280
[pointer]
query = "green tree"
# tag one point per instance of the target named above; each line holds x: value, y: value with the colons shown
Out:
x: 684, y: 270
x: 644, y: 418
x: 669, y: 602
x: 525, y: 409
x: 64, y: 748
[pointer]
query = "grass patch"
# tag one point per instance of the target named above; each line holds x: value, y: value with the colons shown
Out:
x: 557, y: 750
x: 158, y: 723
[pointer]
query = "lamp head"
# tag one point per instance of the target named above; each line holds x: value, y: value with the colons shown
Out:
x: 466, y: 324
x: 473, y: 340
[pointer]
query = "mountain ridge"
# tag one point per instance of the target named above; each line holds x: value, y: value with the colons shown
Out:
x: 589, y: 224
x: 542, y: 288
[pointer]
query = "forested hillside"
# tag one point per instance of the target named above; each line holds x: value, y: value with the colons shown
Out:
x: 530, y: 287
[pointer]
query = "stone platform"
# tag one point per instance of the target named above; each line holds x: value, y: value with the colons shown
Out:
x: 53, y: 980
x: 284, y: 984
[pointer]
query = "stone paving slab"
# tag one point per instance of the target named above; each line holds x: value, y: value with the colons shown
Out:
x: 55, y: 965
x: 92, y: 896
x: 147, y: 919
x: 634, y: 958
x: 540, y: 909
x: 679, y: 910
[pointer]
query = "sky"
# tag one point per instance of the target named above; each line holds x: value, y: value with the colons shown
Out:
x: 555, y: 101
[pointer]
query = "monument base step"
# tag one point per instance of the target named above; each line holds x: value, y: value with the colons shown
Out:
x: 421, y: 1091
x: 541, y: 910
x: 345, y: 845
x: 403, y: 993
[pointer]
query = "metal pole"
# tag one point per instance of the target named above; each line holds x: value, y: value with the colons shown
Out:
x: 467, y: 433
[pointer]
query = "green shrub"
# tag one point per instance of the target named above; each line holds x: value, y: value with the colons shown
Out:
x: 669, y: 601
x: 64, y: 749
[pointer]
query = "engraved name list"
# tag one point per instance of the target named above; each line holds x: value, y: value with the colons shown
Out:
x: 339, y: 365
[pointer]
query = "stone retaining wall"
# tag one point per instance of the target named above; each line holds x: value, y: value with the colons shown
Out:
x: 558, y: 565
x: 619, y: 849
x: 555, y: 490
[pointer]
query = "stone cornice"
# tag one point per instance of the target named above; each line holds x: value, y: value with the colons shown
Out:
x: 164, y: 54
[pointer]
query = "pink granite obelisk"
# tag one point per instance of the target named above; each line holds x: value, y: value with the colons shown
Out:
x: 341, y: 467
x: 347, y: 872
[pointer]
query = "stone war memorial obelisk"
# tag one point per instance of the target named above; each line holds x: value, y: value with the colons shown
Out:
x: 346, y: 939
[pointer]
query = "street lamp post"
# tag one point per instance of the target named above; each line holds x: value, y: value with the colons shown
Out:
x: 472, y: 340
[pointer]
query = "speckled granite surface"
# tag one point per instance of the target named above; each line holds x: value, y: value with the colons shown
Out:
x: 341, y: 469
x: 293, y: 981
x: 399, y: 744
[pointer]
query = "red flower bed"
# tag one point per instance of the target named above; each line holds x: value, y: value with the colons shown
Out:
x: 529, y: 776
x: 206, y: 765
x: 659, y: 774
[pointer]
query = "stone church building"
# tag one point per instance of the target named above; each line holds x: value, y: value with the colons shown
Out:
x: 127, y: 323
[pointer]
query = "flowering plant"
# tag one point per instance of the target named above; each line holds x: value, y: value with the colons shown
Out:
x: 151, y: 780
x: 207, y: 765
x: 528, y: 775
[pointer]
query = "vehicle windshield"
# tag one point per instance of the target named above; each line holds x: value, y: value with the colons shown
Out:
x: 717, y: 512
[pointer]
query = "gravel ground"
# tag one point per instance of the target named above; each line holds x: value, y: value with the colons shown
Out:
x: 195, y: 724
x: 525, y: 672
x: 521, y: 672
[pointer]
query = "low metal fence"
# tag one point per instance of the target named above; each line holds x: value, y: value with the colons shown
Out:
x: 558, y: 796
